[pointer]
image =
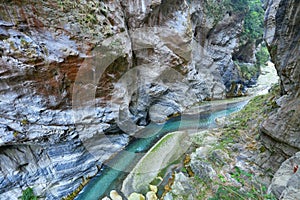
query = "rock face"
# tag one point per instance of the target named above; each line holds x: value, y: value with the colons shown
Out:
x: 216, y: 41
x: 286, y: 182
x: 282, y: 128
x: 42, y: 48
x: 72, y: 71
x: 281, y: 131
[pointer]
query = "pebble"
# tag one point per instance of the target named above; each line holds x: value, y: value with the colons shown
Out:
x: 136, y: 196
x: 151, y: 196
x: 114, y: 195
x: 153, y: 188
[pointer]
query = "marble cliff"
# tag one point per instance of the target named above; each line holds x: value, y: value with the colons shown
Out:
x: 74, y: 70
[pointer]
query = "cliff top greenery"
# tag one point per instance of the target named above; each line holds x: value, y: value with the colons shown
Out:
x: 254, y: 20
x: 252, y: 11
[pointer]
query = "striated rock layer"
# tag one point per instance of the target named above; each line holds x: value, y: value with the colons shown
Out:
x: 281, y: 131
x: 74, y: 70
x: 282, y: 127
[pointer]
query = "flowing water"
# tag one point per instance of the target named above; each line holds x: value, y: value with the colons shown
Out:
x: 115, y: 170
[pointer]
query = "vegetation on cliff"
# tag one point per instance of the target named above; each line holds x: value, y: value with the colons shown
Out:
x: 254, y: 20
x: 251, y: 53
x: 251, y: 10
x: 28, y: 194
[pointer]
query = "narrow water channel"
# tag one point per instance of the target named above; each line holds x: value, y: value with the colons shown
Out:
x: 115, y: 170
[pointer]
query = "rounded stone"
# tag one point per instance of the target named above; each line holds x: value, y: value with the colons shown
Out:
x: 136, y: 196
x: 114, y: 195
x: 151, y: 196
x: 153, y: 188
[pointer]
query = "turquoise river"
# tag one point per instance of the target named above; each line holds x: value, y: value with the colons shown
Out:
x: 114, y: 171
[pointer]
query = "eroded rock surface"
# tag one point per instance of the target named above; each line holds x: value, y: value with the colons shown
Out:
x: 281, y: 131
x: 282, y: 36
x: 285, y: 183
x: 72, y: 71
x: 43, y: 45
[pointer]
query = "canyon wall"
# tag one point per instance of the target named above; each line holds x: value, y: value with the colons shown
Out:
x: 282, y: 37
x: 72, y: 71
x: 281, y: 130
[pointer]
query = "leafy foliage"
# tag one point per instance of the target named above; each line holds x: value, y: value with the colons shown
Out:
x: 28, y: 194
x: 216, y: 9
x: 240, y: 6
x: 262, y: 55
x: 247, y: 70
x: 254, y: 20
x: 251, y: 10
x: 257, y: 109
x: 227, y: 192
x: 256, y: 191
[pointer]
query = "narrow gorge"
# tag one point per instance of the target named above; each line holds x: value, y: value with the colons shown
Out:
x: 83, y: 81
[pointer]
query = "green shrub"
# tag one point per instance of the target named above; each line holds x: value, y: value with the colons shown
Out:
x: 28, y: 194
x: 254, y: 21
x: 262, y: 56
x: 247, y: 71
x: 251, y: 10
x: 227, y: 192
